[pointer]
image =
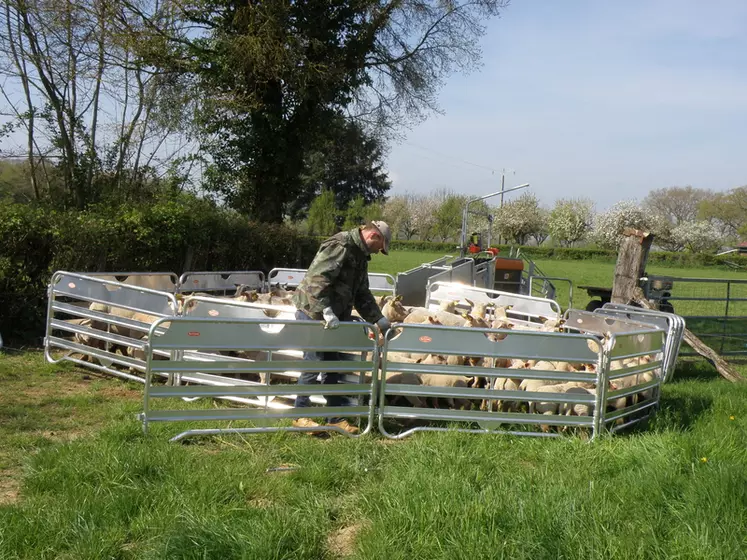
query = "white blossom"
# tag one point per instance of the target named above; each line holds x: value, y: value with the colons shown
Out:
x: 570, y: 220
x: 609, y: 225
x: 698, y: 236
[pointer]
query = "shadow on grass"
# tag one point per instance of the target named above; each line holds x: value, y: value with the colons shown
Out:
x: 680, y: 412
x: 696, y: 369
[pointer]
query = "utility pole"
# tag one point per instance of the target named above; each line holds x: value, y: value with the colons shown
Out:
x: 503, y: 188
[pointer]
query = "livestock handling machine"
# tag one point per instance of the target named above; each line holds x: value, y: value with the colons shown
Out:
x: 514, y: 273
x: 485, y: 360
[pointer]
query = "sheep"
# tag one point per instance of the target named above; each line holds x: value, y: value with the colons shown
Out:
x: 570, y: 409
x: 475, y: 321
x: 445, y: 380
x: 502, y: 324
x: 480, y: 309
x: 394, y: 310
x: 503, y: 384
x: 404, y: 378
x: 419, y: 315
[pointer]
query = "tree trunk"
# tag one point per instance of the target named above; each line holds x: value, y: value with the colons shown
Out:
x: 631, y: 262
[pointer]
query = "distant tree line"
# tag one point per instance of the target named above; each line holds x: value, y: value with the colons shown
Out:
x: 682, y: 218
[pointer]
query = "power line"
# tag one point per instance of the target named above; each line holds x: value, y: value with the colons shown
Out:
x: 464, y: 161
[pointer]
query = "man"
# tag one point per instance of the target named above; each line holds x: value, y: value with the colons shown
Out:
x: 337, y: 281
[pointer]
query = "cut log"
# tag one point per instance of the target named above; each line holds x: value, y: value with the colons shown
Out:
x: 721, y: 365
x: 631, y: 262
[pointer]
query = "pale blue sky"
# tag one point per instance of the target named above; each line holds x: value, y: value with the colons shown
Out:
x: 598, y: 99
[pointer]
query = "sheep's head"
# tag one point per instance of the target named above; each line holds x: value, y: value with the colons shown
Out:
x: 449, y: 306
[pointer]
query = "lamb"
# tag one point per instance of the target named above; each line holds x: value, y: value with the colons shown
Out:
x: 444, y: 380
x: 503, y: 384
x: 404, y: 378
x: 419, y: 315
x: 394, y: 310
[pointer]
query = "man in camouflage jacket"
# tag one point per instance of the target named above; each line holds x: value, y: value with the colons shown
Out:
x: 337, y: 281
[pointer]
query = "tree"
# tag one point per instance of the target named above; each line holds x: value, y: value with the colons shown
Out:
x: 609, y: 225
x: 91, y: 111
x: 728, y: 211
x: 697, y: 236
x: 570, y: 220
x: 276, y: 74
x: 424, y: 216
x: 520, y: 219
x: 542, y: 230
x: 448, y: 218
x: 398, y: 213
x: 355, y: 213
x: 676, y: 204
x: 323, y: 214
x: 347, y: 161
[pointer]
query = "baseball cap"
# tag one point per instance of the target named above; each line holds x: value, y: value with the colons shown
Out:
x: 386, y: 233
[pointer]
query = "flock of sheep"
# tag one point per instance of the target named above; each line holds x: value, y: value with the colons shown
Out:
x: 133, y: 325
x: 490, y: 316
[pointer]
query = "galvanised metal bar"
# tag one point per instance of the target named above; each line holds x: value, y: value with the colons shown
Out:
x: 523, y: 307
x: 98, y: 334
x: 223, y: 281
x: 230, y: 334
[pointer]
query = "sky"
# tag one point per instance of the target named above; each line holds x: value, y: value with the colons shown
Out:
x: 591, y: 98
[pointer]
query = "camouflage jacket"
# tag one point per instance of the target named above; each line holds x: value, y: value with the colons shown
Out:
x: 338, y: 278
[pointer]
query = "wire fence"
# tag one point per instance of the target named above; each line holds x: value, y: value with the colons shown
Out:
x: 715, y: 310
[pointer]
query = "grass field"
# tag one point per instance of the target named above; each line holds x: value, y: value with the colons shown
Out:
x: 79, y: 480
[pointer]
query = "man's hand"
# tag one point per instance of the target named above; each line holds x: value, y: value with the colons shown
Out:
x: 383, y: 324
x: 330, y: 319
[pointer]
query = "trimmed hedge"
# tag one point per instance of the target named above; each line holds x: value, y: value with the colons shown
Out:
x: 167, y: 236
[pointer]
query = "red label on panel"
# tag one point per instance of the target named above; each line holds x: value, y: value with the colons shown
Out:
x: 193, y: 333
x: 425, y: 339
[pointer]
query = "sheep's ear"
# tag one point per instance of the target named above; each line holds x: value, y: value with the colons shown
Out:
x: 399, y: 298
x: 471, y: 303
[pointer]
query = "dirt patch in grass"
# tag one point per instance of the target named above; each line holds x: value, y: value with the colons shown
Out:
x: 9, y: 486
x: 341, y: 542
x: 259, y: 503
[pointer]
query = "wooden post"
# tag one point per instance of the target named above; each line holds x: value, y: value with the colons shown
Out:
x: 631, y: 263
x: 721, y: 365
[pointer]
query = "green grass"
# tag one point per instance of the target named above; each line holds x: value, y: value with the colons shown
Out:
x: 79, y: 480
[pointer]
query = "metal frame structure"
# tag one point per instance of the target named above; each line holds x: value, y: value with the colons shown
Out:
x: 650, y: 283
x: 585, y: 347
x: 212, y: 335
x: 525, y: 308
x: 223, y: 281
x: 673, y: 324
x: 197, y: 340
x: 71, y: 294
